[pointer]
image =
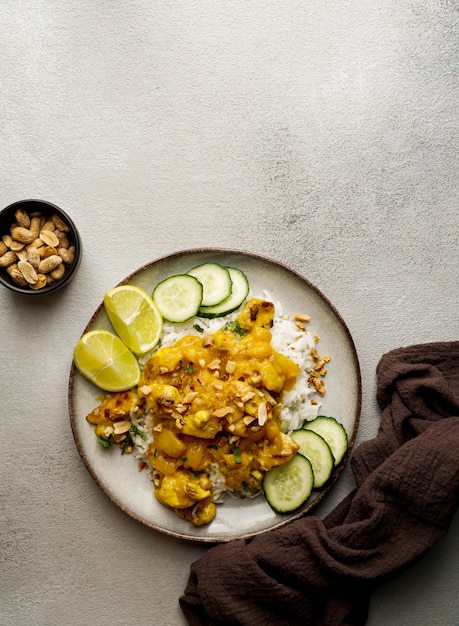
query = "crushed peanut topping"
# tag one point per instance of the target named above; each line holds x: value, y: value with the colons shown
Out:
x: 300, y: 317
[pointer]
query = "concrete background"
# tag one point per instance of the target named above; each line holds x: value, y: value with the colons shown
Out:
x: 322, y: 133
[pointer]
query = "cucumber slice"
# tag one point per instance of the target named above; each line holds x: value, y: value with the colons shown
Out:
x: 216, y: 282
x: 239, y: 292
x: 318, y: 452
x: 288, y: 486
x: 333, y: 432
x: 178, y: 297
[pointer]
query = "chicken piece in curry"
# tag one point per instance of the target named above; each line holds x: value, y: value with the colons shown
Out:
x: 213, y: 401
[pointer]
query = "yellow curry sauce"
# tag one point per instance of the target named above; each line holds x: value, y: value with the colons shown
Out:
x: 213, y: 400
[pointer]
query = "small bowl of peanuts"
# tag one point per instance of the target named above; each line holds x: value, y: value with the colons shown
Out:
x: 40, y: 248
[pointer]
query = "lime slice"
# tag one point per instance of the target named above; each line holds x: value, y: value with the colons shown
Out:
x: 134, y: 316
x: 103, y: 358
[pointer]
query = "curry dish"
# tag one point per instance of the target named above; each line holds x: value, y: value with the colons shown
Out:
x: 210, y: 403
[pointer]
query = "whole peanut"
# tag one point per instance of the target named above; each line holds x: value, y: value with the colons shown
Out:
x: 17, y: 275
x: 22, y: 218
x: 22, y: 235
x: 67, y: 255
x: 49, y: 264
x: 8, y: 258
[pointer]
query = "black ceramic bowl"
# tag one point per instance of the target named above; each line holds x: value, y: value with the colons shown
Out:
x: 46, y: 209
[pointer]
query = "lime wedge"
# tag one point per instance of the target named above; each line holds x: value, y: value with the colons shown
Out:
x: 103, y: 358
x: 134, y: 316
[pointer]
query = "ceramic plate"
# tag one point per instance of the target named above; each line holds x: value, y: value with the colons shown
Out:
x: 117, y: 474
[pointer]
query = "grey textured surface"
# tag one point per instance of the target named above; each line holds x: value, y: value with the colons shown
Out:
x: 323, y: 134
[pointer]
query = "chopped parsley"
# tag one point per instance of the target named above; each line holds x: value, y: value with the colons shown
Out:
x: 126, y: 443
x: 237, y: 455
x: 236, y: 328
x: 106, y: 442
x: 187, y: 367
x: 135, y: 431
x: 248, y: 489
x: 198, y: 328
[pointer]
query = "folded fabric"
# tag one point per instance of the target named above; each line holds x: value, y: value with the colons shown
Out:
x: 321, y: 572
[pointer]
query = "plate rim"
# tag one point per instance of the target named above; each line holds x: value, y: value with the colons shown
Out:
x: 351, y: 439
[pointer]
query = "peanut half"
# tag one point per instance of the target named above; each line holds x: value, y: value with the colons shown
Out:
x: 49, y: 237
x: 28, y: 272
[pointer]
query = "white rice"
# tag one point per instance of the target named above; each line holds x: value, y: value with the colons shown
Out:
x: 297, y: 344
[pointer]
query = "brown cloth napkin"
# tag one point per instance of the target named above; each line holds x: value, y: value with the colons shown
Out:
x: 321, y: 572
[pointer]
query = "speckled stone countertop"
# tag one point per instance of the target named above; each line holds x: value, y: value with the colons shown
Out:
x: 322, y: 134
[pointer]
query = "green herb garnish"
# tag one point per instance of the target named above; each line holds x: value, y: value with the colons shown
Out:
x: 236, y: 328
x: 187, y: 367
x: 127, y: 443
x: 106, y: 442
x: 237, y: 455
x: 135, y: 431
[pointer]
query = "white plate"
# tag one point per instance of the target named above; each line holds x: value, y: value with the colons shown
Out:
x: 117, y: 474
